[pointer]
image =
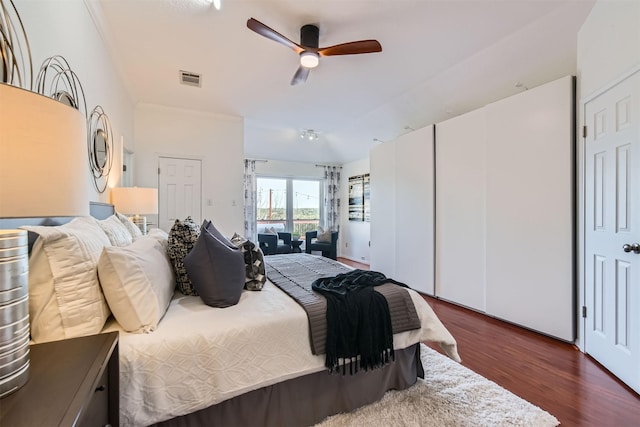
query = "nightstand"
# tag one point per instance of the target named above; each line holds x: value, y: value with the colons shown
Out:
x: 72, y: 382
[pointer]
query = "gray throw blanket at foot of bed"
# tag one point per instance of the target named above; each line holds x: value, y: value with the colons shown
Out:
x: 358, y: 321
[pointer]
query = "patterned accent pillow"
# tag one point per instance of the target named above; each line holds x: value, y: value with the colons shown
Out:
x: 182, y: 238
x: 253, y: 262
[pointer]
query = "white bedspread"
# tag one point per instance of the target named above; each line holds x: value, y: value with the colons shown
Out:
x: 199, y: 355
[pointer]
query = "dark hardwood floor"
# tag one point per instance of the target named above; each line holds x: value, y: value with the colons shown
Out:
x: 551, y: 374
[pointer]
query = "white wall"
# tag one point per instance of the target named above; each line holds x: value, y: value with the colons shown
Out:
x: 354, y: 235
x: 608, y: 44
x: 608, y: 49
x: 288, y: 169
x: 65, y: 28
x: 217, y: 140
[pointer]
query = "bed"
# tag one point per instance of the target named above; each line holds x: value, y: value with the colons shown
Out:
x: 248, y: 364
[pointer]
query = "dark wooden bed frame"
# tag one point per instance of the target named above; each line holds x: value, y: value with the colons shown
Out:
x: 305, y: 400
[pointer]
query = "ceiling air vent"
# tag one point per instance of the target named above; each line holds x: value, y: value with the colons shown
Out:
x: 189, y: 78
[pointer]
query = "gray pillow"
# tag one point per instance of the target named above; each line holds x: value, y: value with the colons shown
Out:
x: 216, y: 268
x: 270, y: 230
x: 324, y: 236
x: 182, y: 237
x: 255, y: 275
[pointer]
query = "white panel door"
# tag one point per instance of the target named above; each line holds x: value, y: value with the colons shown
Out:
x: 415, y: 210
x: 461, y: 169
x: 179, y: 188
x: 612, y: 220
x: 382, y: 165
x: 530, y: 205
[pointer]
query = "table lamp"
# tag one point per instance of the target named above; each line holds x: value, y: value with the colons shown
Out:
x: 136, y: 201
x: 44, y: 172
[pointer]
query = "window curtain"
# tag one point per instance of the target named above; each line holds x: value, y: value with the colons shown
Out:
x: 332, y: 197
x: 250, y: 201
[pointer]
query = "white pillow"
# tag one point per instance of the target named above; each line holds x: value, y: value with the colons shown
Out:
x: 160, y: 235
x: 116, y: 231
x: 138, y: 282
x: 65, y: 299
x: 133, y: 229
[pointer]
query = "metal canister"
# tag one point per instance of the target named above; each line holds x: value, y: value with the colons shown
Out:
x: 14, y: 310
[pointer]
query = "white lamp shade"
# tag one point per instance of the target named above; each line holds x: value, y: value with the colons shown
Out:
x: 135, y: 200
x: 44, y: 169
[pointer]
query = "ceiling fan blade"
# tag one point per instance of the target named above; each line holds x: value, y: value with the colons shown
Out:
x: 351, y: 48
x: 272, y: 34
x: 300, y: 76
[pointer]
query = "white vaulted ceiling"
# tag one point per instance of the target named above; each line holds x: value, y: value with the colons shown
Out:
x: 439, y: 59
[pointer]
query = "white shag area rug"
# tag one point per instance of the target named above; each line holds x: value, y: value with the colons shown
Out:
x: 450, y: 395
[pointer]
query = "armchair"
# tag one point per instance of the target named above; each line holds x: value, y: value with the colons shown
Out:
x: 329, y: 249
x: 272, y: 244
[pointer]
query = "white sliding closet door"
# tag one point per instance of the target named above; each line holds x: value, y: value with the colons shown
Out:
x: 402, y: 209
x: 505, y: 209
x: 530, y: 196
x: 461, y: 169
x: 382, y: 165
x: 415, y: 210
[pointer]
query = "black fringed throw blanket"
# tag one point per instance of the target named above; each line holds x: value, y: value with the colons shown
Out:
x: 294, y: 274
x: 358, y: 321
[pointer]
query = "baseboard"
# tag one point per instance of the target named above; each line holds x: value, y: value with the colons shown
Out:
x: 353, y: 259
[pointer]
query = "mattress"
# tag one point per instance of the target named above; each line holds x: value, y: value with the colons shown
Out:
x: 199, y: 355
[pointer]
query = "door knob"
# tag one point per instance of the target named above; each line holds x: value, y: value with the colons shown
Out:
x: 635, y: 247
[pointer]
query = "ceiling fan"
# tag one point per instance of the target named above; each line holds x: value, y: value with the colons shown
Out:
x: 308, y: 48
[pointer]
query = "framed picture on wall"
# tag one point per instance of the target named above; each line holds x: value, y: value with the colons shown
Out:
x: 366, y: 196
x: 358, y: 197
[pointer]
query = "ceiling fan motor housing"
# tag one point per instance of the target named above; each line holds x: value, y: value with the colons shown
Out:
x: 309, y: 36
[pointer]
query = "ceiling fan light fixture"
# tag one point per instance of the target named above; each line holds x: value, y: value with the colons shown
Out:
x: 309, y: 59
x: 309, y: 134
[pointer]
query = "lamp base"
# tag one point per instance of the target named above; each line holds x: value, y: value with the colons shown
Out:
x: 14, y: 310
x: 141, y: 222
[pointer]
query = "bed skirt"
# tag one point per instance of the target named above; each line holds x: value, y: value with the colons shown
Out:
x: 307, y: 400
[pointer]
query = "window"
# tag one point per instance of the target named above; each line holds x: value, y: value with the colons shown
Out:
x: 289, y: 204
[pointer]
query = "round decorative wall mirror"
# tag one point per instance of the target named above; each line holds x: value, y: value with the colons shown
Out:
x: 16, y: 67
x: 57, y: 80
x: 66, y: 98
x: 100, y: 147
